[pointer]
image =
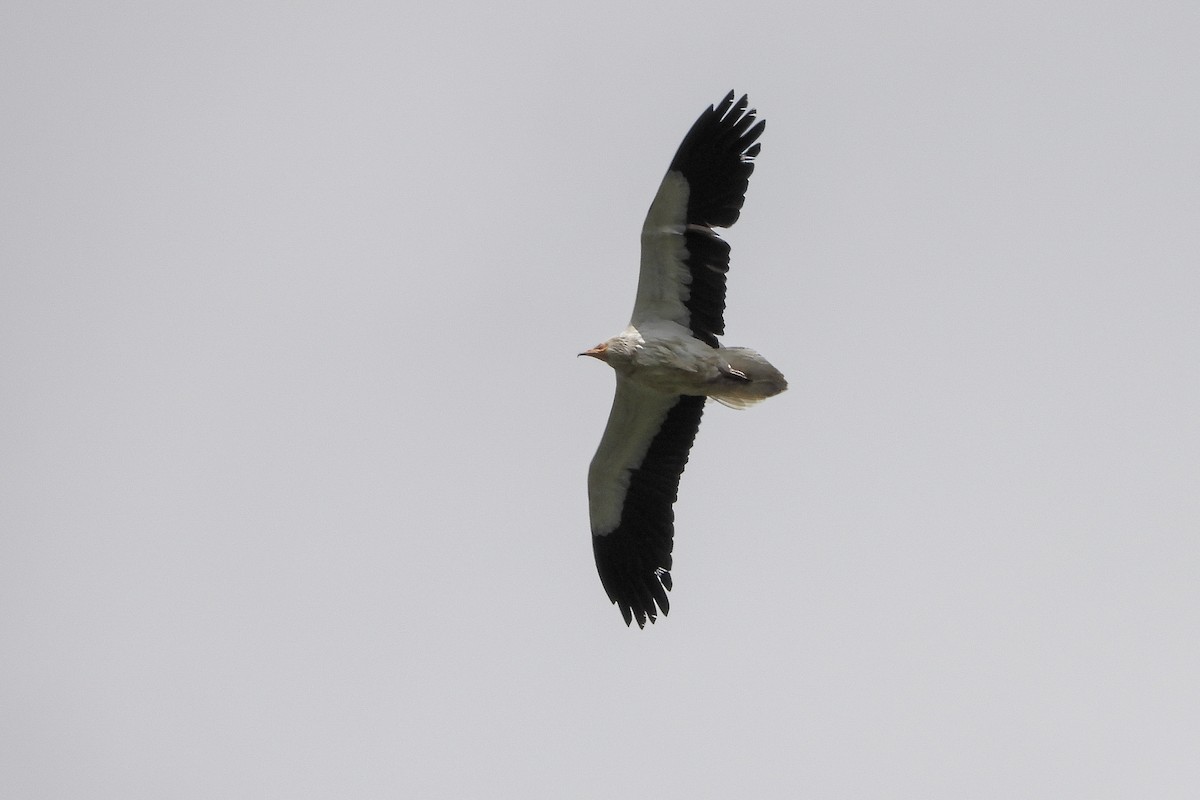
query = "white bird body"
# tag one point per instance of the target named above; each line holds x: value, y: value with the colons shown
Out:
x: 663, y: 355
x: 666, y: 357
x: 668, y: 361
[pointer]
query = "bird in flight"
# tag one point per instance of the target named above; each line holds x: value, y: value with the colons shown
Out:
x: 669, y: 362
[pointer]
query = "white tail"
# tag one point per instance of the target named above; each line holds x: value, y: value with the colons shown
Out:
x: 754, y: 379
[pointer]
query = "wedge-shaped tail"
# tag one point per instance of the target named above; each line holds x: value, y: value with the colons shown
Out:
x: 753, y: 381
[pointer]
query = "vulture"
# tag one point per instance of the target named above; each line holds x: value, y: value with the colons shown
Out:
x: 668, y: 361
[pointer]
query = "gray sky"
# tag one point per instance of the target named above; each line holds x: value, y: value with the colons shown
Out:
x: 293, y: 439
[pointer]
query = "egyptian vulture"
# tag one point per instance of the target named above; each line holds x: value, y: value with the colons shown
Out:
x: 668, y: 361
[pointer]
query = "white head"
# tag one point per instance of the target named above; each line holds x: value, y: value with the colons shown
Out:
x: 617, y: 352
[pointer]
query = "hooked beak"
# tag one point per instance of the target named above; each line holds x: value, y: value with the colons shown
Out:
x: 596, y: 352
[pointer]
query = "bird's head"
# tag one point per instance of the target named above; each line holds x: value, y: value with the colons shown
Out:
x: 617, y: 352
x: 600, y: 351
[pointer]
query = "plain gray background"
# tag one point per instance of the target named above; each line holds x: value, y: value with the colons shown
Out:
x: 293, y: 438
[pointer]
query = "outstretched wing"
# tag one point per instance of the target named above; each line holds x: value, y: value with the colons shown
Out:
x: 684, y: 261
x: 632, y: 484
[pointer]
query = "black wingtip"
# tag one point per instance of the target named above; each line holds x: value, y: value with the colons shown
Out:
x: 633, y: 584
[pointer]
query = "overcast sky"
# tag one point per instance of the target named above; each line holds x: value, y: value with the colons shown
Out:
x: 293, y: 438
